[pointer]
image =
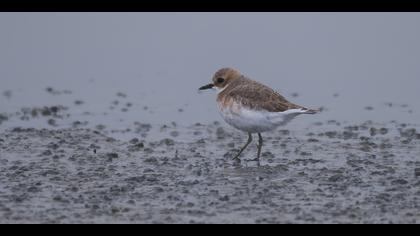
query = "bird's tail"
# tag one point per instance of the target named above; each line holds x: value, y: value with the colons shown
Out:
x: 312, y: 111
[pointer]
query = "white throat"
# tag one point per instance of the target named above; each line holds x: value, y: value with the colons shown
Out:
x: 219, y: 90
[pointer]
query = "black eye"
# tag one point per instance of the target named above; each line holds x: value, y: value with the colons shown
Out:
x: 220, y: 80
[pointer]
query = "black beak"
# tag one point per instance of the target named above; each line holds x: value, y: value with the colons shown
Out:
x: 209, y: 86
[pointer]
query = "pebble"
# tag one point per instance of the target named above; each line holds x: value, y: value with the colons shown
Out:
x: 400, y: 182
x: 383, y: 131
x: 373, y: 131
x: 224, y: 198
x: 78, y: 102
x: 417, y: 172
x: 331, y: 134
x: 174, y: 133
x: 134, y: 141
x: 52, y: 122
x: 168, y: 142
x: 220, y: 133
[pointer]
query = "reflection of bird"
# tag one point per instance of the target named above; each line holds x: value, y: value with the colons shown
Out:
x: 250, y: 106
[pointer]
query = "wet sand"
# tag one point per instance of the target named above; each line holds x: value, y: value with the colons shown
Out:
x: 354, y: 173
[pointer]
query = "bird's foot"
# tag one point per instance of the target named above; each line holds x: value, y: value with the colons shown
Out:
x: 236, y: 159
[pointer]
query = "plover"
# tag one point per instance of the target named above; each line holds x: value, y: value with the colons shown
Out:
x: 251, y: 106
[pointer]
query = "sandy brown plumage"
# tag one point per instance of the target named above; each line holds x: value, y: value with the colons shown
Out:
x: 254, y: 95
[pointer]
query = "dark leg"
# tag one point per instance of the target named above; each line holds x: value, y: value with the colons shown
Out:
x: 243, y: 148
x: 260, y: 143
x: 259, y: 146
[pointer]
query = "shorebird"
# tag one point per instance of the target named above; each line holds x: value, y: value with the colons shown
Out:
x: 251, y: 106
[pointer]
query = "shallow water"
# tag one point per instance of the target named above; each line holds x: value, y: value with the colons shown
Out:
x: 358, y: 66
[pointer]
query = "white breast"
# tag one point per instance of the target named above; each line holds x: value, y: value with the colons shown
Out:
x: 254, y: 121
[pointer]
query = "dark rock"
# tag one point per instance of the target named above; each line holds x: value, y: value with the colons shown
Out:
x: 267, y: 155
x: 385, y: 145
x: 152, y: 179
x: 47, y: 153
x: 136, y: 179
x: 20, y: 129
x: 52, y: 122
x: 220, y: 133
x: 201, y: 141
x: 53, y: 146
x: 373, y: 131
x: 305, y: 154
x: 76, y: 124
x: 313, y: 140
x: 100, y: 127
x: 148, y: 170
x: 78, y: 102
x: 3, y: 117
x: 135, y: 147
x: 406, y: 141
x: 74, y: 189
x: 34, y: 189
x: 111, y: 156
x: 142, y: 127
x: 168, y: 142
x: 284, y: 132
x: 399, y: 182
x: 122, y: 95
x: 383, y: 131
x: 408, y: 133
x: 174, y: 133
x: 7, y: 94
x: 224, y: 198
x: 58, y: 198
x: 331, y: 134
x: 134, y: 141
x: 417, y: 172
x: 348, y: 135
x: 151, y: 160
x: 335, y: 178
x: 46, y: 112
x: 352, y: 128
x: 188, y: 182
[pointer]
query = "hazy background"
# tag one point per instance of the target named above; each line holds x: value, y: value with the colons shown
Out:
x: 160, y: 59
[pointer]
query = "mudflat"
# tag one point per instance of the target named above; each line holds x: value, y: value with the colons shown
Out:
x: 359, y: 173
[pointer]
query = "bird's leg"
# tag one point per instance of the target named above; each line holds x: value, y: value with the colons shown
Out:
x: 243, y: 148
x: 259, y: 146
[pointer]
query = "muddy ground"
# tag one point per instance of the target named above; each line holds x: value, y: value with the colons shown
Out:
x: 356, y: 173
